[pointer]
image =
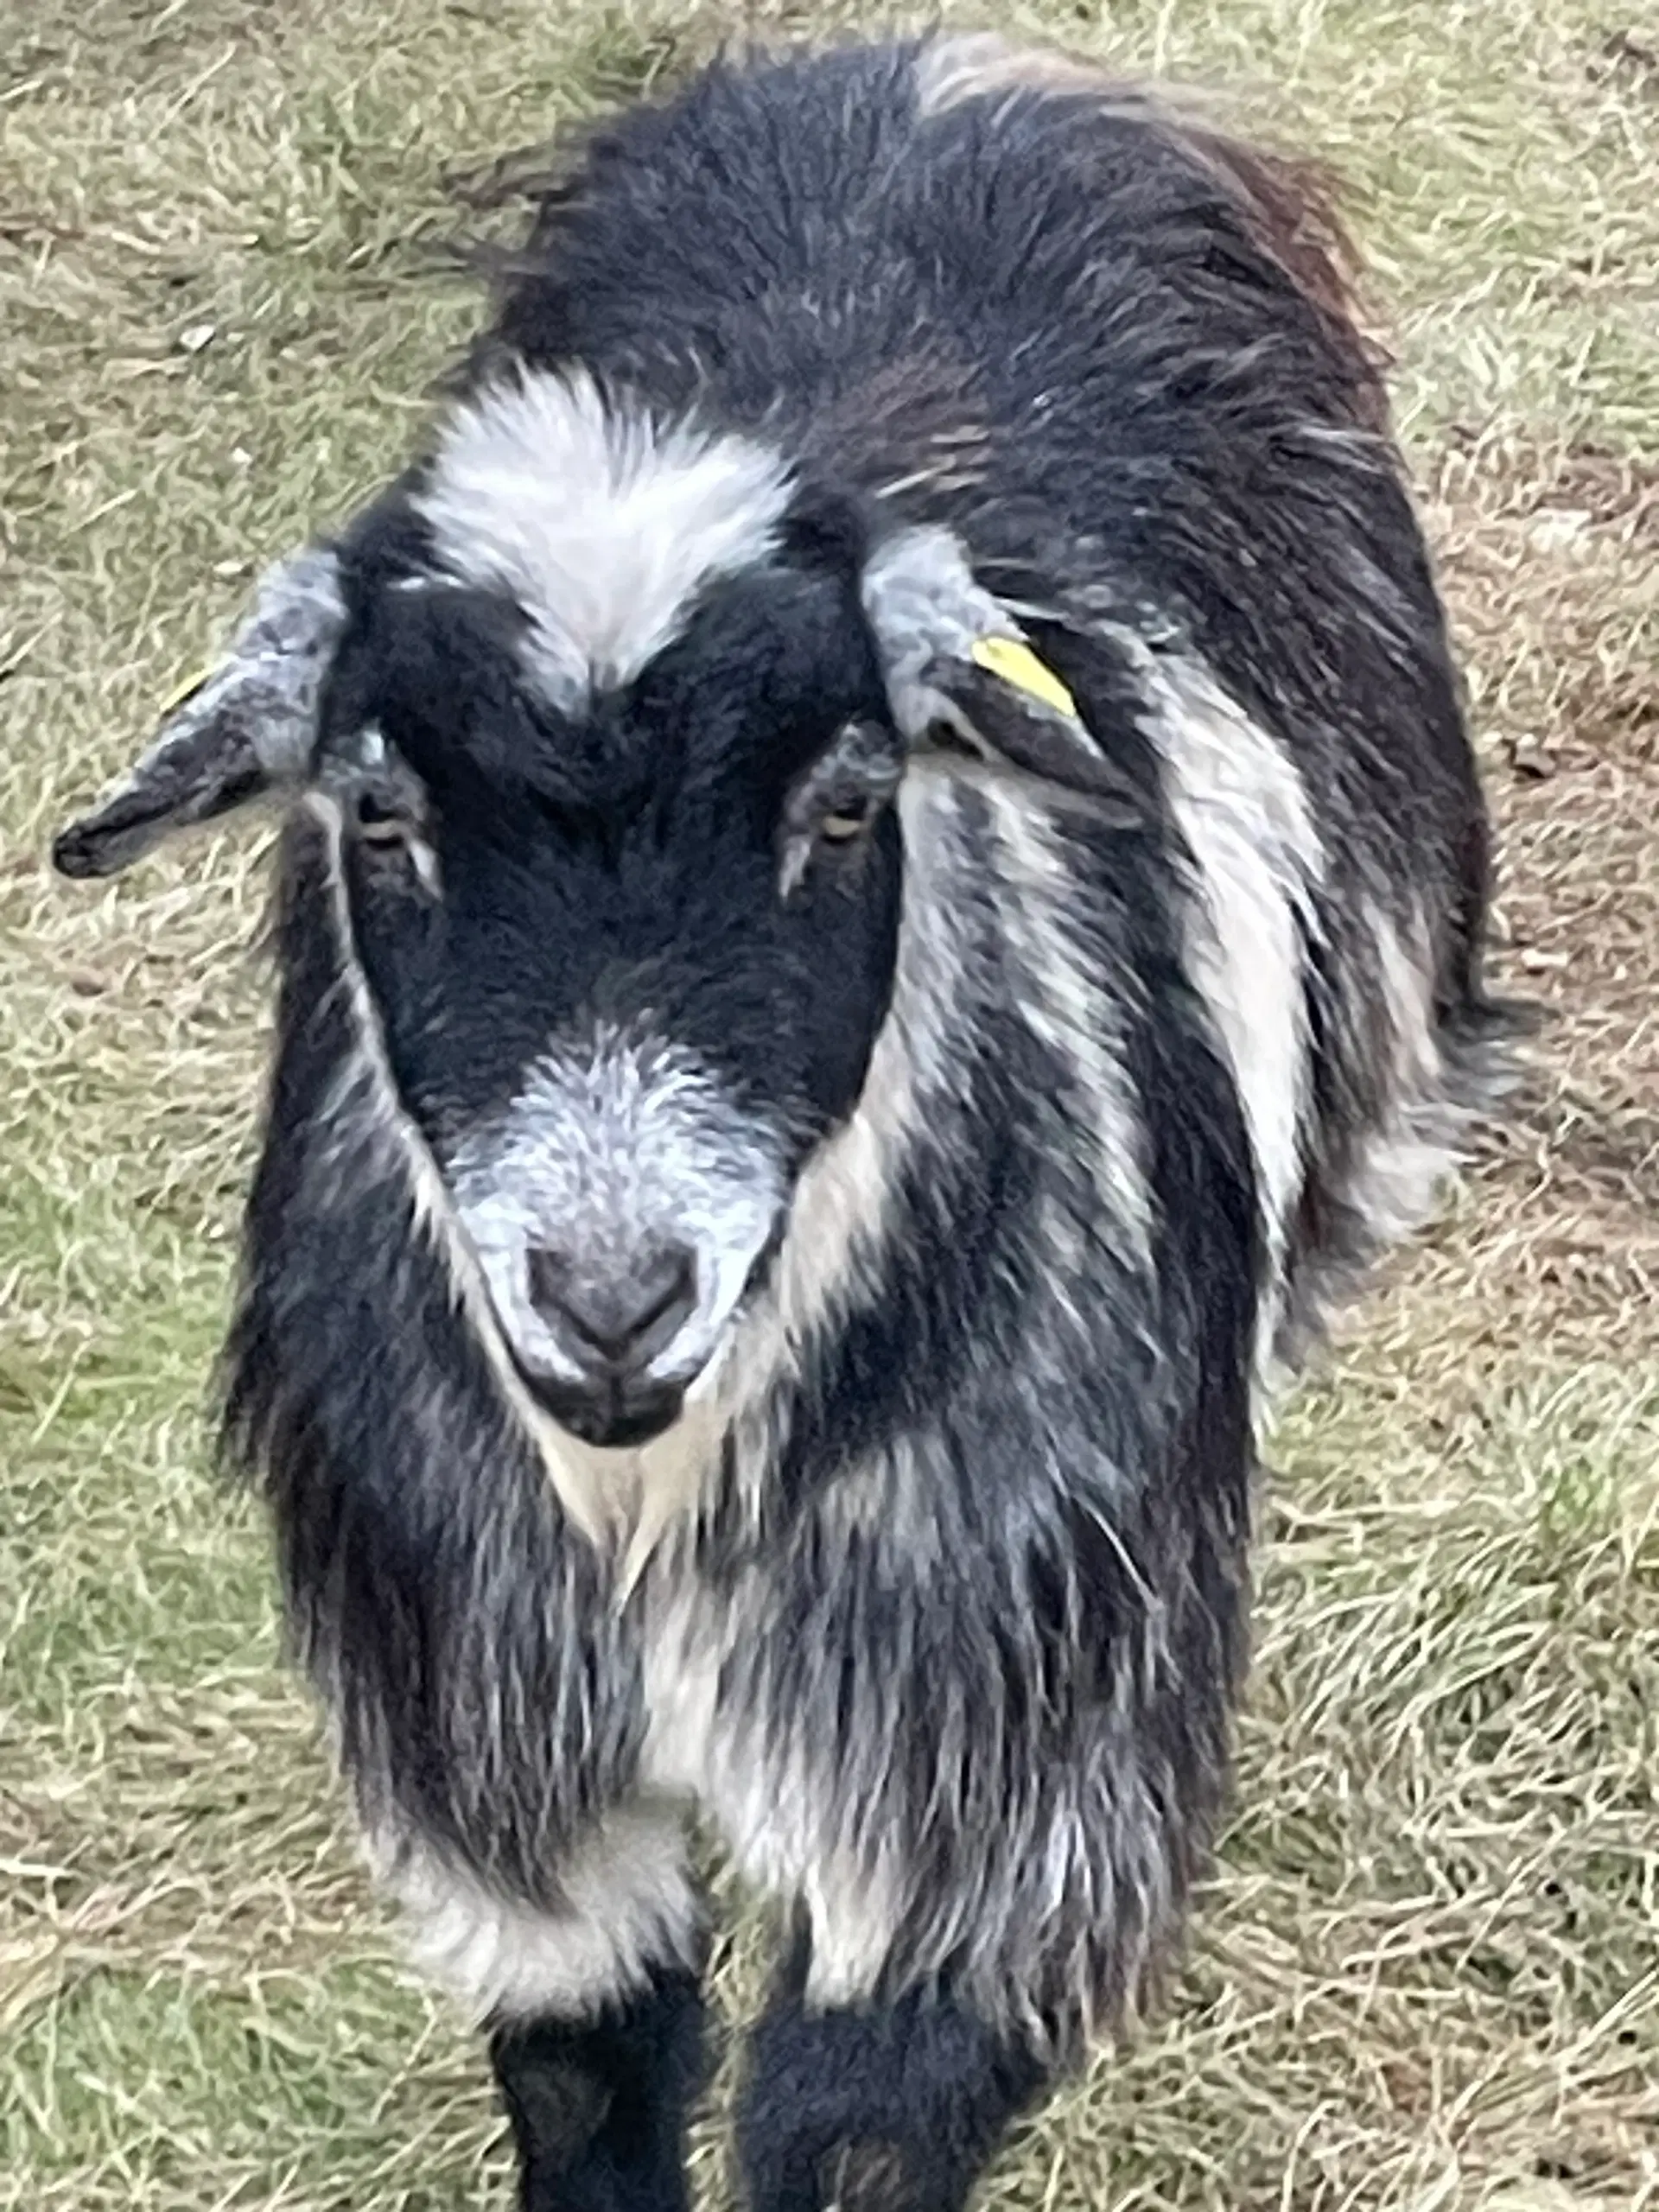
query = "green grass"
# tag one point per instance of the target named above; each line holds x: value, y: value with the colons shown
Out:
x: 1427, y: 1973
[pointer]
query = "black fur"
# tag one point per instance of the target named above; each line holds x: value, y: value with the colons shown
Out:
x: 598, y: 2108
x: 889, y: 2110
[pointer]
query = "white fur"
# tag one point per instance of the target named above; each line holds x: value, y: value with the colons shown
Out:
x: 1241, y: 806
x: 628, y: 1905
x: 855, y: 1914
x: 978, y: 65
x: 601, y: 523
x: 767, y: 1798
x: 1402, y: 1167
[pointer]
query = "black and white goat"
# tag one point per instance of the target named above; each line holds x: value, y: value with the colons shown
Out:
x: 883, y: 889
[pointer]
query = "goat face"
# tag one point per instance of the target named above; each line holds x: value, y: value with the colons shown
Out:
x: 628, y: 954
x: 603, y: 721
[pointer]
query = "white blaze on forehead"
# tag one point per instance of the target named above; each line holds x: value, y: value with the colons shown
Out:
x: 601, y: 523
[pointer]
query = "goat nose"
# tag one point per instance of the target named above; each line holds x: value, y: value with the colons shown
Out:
x: 614, y: 1314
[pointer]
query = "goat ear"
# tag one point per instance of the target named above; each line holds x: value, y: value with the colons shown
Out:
x: 955, y: 663
x: 246, y: 730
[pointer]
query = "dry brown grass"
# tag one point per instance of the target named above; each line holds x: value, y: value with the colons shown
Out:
x: 1427, y: 1974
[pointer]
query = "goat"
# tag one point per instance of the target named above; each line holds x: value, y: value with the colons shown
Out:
x: 882, y: 897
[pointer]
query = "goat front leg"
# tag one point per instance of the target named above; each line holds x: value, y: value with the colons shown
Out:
x: 593, y: 2011
x: 599, y: 2105
x: 875, y: 2107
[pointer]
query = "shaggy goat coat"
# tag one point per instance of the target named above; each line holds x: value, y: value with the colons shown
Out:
x: 901, y: 737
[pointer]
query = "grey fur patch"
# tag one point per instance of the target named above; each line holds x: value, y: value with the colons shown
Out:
x: 924, y: 605
x: 929, y: 615
x: 622, y: 1143
x: 249, y: 730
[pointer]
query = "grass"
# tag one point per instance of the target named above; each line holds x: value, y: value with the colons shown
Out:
x: 1427, y: 1973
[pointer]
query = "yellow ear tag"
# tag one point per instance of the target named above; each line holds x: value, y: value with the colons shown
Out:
x: 1016, y: 664
x: 176, y: 697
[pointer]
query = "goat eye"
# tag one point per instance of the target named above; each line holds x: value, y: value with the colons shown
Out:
x: 847, y: 820
x: 392, y: 824
x: 380, y: 820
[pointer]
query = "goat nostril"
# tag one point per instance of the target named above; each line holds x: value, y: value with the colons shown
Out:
x: 546, y: 1274
x: 667, y: 1291
x: 613, y: 1313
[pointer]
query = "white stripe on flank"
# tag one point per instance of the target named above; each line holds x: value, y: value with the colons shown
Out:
x: 1240, y: 805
